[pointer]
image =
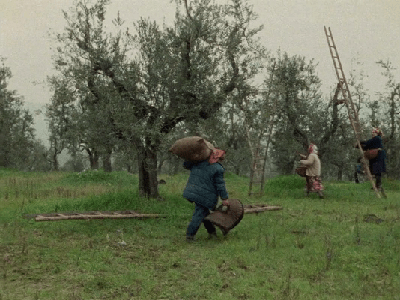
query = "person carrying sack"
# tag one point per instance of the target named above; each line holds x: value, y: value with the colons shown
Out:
x: 313, y: 171
x: 377, y: 164
x: 205, y: 184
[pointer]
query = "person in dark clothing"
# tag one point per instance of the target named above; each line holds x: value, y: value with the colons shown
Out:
x: 206, y: 183
x: 377, y: 165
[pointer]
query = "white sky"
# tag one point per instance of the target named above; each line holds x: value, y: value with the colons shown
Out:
x: 368, y: 30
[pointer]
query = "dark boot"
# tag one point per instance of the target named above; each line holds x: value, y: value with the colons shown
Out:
x: 378, y: 181
x: 190, y: 238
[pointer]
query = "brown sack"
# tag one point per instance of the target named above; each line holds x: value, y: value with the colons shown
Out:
x: 192, y: 148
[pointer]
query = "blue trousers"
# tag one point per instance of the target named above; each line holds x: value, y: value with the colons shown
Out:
x: 200, y: 212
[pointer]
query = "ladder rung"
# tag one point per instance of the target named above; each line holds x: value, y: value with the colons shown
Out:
x: 256, y: 193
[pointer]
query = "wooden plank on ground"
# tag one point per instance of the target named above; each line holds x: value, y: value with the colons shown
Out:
x: 92, y: 215
x: 256, y: 208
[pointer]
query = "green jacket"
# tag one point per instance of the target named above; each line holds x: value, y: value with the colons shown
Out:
x: 206, y: 182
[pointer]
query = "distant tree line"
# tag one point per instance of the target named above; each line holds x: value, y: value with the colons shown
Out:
x: 122, y: 97
x: 19, y: 149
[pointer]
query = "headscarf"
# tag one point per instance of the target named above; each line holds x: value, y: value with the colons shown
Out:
x: 313, y: 149
x: 377, y: 131
x: 216, y: 156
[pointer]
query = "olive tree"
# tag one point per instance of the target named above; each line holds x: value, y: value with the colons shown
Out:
x: 17, y: 139
x: 141, y: 84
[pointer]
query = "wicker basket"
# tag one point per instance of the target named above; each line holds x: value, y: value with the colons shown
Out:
x: 371, y: 154
x: 301, y: 171
x: 228, y: 219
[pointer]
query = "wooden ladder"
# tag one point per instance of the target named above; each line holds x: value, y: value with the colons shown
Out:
x: 257, y: 177
x: 352, y: 112
x: 258, y: 150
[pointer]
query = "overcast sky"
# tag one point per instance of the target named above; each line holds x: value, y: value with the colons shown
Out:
x: 366, y: 30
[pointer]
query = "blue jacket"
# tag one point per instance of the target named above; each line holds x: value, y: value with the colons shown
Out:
x: 206, y: 182
x: 377, y: 165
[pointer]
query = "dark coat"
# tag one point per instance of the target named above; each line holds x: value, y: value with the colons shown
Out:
x: 376, y: 165
x: 206, y: 182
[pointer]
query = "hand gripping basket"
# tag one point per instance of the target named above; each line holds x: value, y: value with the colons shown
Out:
x: 229, y: 218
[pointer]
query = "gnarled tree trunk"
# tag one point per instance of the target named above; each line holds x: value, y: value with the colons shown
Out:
x: 147, y: 165
x: 93, y: 159
x: 106, y: 157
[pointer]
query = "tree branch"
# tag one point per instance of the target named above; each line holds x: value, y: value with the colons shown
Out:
x: 335, y: 120
x: 299, y: 134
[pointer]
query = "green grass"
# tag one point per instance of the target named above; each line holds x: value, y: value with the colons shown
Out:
x: 311, y: 249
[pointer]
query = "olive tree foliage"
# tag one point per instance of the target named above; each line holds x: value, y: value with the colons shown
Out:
x: 303, y: 115
x: 79, y: 118
x: 225, y: 129
x: 244, y: 122
x: 258, y: 107
x: 359, y: 93
x: 59, y: 117
x: 18, y: 146
x: 137, y: 85
x: 227, y: 132
x: 208, y: 49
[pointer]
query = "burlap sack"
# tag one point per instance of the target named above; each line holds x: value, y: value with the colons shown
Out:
x: 192, y: 148
x: 227, y: 219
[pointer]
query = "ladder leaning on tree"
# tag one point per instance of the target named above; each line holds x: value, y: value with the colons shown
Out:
x: 257, y: 171
x: 258, y: 149
x: 352, y: 112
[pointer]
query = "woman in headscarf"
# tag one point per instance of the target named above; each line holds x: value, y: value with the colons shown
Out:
x: 313, y: 171
x: 377, y: 165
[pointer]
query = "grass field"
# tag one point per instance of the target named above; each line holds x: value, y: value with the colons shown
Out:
x: 346, y: 246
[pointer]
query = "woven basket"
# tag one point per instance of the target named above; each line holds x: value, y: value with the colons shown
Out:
x: 226, y: 220
x: 371, y: 154
x: 301, y: 171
